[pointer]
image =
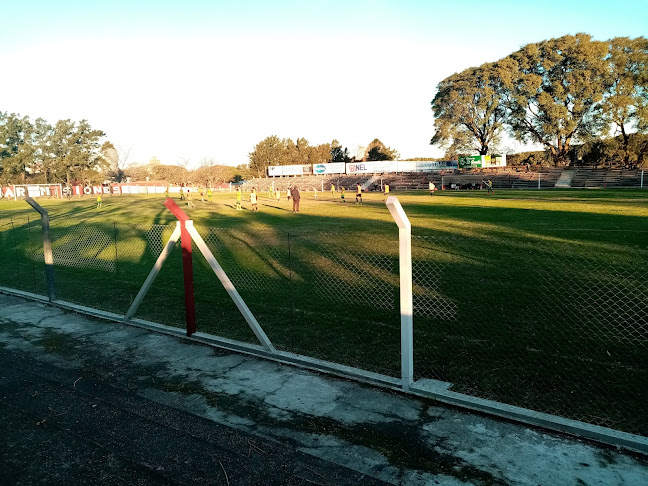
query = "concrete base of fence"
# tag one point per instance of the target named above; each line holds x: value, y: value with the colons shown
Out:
x: 434, y: 389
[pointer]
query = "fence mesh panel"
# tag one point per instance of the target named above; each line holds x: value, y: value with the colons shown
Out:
x: 555, y: 325
x: 21, y: 255
x: 560, y: 327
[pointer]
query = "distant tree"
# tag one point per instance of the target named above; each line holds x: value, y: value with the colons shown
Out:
x: 211, y: 174
x: 338, y: 154
x: 468, y: 109
x: 16, y: 148
x: 555, y: 94
x: 270, y: 151
x: 626, y: 100
x: 377, y: 150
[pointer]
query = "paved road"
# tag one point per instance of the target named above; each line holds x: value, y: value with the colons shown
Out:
x: 84, y: 401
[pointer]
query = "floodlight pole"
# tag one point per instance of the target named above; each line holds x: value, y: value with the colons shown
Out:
x: 187, y: 265
x: 406, y: 299
x: 47, y: 248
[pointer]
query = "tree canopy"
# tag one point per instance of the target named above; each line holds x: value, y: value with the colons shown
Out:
x: 468, y: 109
x: 557, y: 92
x: 377, y: 150
x: 62, y: 152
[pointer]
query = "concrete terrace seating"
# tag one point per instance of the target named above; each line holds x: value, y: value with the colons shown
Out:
x: 501, y: 177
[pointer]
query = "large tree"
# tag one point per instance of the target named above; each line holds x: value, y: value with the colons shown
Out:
x: 555, y: 96
x: 468, y: 109
x: 626, y: 102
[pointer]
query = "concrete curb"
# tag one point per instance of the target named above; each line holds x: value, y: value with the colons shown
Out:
x: 426, y: 388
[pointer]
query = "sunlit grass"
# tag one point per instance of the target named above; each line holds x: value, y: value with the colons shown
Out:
x: 535, y: 298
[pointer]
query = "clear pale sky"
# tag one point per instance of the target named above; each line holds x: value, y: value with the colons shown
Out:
x: 209, y: 79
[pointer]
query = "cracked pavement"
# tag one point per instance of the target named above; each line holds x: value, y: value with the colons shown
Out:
x: 101, y: 401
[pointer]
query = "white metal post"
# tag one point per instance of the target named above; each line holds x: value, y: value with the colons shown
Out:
x: 229, y: 287
x: 47, y: 248
x: 538, y: 180
x: 154, y: 272
x: 406, y: 299
x: 642, y: 172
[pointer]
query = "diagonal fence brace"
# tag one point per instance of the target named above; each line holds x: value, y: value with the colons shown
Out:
x: 229, y: 287
x: 154, y: 273
x: 187, y: 226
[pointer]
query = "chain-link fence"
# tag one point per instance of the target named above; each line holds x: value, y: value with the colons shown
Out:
x: 558, y: 327
x: 553, y: 324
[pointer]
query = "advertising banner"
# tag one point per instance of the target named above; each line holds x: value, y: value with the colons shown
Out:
x: 330, y: 168
x: 429, y: 166
x: 371, y: 167
x: 286, y: 170
x: 406, y: 166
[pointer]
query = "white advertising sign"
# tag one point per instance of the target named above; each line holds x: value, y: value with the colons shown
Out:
x: 371, y: 167
x: 330, y: 168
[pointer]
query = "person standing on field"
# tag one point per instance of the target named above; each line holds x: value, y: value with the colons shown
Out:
x: 190, y: 203
x: 253, y: 200
x: 342, y: 194
x: 432, y: 188
x: 358, y: 193
x: 209, y: 194
x: 239, y: 196
x: 386, y: 191
x: 332, y: 190
x: 98, y: 201
x: 294, y: 193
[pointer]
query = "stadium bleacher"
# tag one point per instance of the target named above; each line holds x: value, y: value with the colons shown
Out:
x: 519, y: 177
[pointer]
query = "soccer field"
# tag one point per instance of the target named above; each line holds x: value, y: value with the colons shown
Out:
x: 533, y: 298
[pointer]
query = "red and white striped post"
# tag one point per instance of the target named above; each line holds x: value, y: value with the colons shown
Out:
x: 187, y: 265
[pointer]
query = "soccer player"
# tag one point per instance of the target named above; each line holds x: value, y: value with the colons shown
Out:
x: 432, y: 188
x: 358, y: 193
x: 342, y: 194
x: 253, y: 200
x: 278, y: 195
x: 489, y: 185
x: 190, y: 203
x: 239, y: 196
x: 386, y: 191
x: 209, y: 194
x: 98, y: 201
x: 332, y: 190
x: 166, y: 192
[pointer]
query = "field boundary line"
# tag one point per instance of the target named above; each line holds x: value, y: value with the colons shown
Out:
x: 426, y: 388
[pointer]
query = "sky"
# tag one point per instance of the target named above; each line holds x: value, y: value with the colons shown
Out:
x: 196, y: 80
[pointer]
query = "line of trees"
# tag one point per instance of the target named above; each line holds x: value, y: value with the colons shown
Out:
x: 62, y: 152
x: 275, y: 151
x: 555, y: 93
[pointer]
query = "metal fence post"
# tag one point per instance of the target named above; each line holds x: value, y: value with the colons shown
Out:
x: 406, y: 299
x: 47, y: 248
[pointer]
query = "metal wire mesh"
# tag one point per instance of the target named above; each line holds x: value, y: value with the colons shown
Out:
x: 21, y: 245
x: 558, y: 327
x: 555, y: 325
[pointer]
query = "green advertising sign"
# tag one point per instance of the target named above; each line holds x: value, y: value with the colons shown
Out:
x: 470, y: 161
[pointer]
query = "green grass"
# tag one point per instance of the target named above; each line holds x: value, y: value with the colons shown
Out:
x: 534, y: 298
